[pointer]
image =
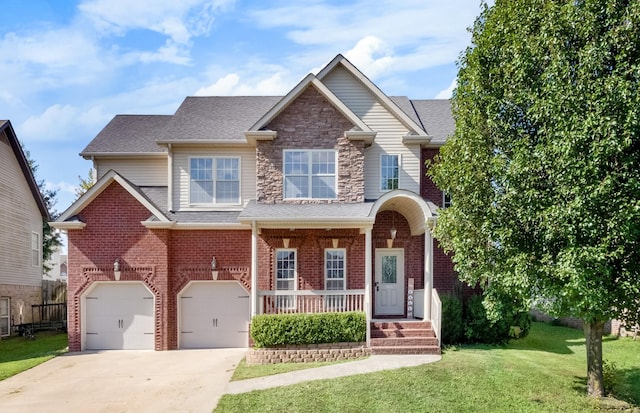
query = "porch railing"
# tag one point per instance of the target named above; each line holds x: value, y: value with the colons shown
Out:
x: 311, y: 301
x: 436, y: 314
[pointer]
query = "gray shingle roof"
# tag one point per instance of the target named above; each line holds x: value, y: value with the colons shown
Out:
x: 226, y: 118
x: 436, y: 117
x: 131, y: 134
x: 305, y: 212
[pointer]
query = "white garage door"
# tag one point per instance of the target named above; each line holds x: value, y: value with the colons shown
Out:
x: 119, y: 316
x: 214, y: 314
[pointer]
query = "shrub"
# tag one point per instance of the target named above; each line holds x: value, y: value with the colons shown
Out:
x: 480, y: 329
x: 271, y: 330
x: 452, y: 319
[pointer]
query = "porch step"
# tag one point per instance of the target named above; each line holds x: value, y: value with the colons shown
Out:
x: 403, y: 337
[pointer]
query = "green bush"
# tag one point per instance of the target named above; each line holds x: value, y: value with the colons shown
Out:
x: 452, y: 319
x: 480, y: 329
x: 271, y: 330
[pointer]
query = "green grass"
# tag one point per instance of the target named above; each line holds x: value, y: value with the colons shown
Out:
x: 244, y: 371
x: 545, y: 372
x: 18, y: 354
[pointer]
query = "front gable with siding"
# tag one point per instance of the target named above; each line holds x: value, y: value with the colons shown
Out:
x: 288, y: 247
x: 22, y: 211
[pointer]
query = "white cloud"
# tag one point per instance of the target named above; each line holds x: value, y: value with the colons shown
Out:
x: 222, y: 87
x: 371, y: 55
x: 61, y: 123
x: 448, y: 92
x: 179, y: 20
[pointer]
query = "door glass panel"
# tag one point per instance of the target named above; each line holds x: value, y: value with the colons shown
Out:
x: 389, y: 269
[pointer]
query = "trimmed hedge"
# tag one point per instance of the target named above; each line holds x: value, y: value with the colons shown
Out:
x: 271, y: 330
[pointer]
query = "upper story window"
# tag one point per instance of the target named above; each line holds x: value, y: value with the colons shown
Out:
x: 310, y: 174
x: 389, y: 172
x: 35, y: 249
x: 214, y: 181
x: 446, y: 199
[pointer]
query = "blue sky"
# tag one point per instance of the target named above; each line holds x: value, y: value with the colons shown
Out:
x: 67, y: 67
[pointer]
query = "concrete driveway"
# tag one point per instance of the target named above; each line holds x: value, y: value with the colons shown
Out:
x: 123, y: 381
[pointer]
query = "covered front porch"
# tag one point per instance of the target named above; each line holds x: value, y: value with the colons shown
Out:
x: 374, y: 257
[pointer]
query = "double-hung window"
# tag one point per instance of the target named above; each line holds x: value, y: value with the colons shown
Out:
x: 310, y: 174
x: 335, y: 271
x: 214, y: 181
x: 35, y: 249
x: 285, y: 277
x: 389, y: 172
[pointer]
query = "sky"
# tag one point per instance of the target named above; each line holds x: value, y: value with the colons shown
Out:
x: 67, y: 67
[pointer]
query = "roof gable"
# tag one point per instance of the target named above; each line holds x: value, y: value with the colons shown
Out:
x: 7, y: 129
x: 309, y: 81
x: 385, y: 100
x: 93, y: 192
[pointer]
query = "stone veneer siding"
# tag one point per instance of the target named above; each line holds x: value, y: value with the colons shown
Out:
x: 21, y: 298
x: 310, y: 122
x: 307, y: 353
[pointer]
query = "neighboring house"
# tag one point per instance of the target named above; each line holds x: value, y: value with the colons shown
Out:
x: 58, y: 266
x: 22, y: 211
x: 235, y: 206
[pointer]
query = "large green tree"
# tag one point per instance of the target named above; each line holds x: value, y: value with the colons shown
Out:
x: 544, y: 165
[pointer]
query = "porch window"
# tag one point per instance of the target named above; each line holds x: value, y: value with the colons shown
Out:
x: 286, y: 269
x: 310, y: 174
x: 389, y: 172
x: 334, y: 276
x: 221, y: 187
x: 35, y: 249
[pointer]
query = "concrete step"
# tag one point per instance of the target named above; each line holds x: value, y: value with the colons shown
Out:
x: 404, y: 342
x: 403, y: 350
x: 402, y: 333
x: 398, y: 325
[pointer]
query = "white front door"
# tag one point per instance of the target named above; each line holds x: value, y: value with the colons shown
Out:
x: 389, y: 282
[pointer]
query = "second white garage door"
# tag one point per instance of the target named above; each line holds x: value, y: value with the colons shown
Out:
x: 214, y: 314
x: 119, y: 316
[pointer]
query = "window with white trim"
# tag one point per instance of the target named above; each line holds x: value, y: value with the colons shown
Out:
x: 214, y: 180
x: 309, y: 174
x: 286, y: 269
x: 35, y: 249
x: 5, y: 316
x: 389, y: 172
x: 446, y: 199
x: 335, y: 276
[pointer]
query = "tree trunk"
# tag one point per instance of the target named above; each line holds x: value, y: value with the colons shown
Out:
x: 593, y: 334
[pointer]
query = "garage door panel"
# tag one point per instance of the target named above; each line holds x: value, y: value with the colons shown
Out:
x: 214, y: 314
x: 119, y: 316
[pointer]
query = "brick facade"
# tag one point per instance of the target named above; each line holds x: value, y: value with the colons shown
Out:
x: 310, y: 122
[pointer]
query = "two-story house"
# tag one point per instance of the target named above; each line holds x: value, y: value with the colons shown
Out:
x: 315, y: 201
x: 22, y: 211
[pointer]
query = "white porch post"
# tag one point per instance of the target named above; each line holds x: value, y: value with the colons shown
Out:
x: 367, y: 282
x: 254, y: 270
x: 428, y: 268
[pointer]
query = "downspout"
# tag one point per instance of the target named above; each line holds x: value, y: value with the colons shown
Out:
x: 254, y: 269
x: 170, y: 177
x: 367, y: 282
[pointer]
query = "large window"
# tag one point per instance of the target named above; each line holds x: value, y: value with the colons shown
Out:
x: 389, y: 172
x: 310, y: 174
x: 35, y: 249
x: 214, y: 181
x: 285, y: 277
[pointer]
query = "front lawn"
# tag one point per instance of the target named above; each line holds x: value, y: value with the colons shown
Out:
x: 18, y: 354
x: 545, y: 372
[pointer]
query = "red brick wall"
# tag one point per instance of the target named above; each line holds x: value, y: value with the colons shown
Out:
x: 310, y: 255
x: 113, y: 231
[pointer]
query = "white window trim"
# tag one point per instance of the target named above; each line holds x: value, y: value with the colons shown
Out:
x: 35, y: 238
x: 293, y: 301
x: 310, y: 174
x: 7, y: 317
x: 215, y: 165
x: 380, y: 171
x: 344, y: 277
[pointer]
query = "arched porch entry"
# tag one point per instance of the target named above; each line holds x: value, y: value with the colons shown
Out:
x: 401, y: 256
